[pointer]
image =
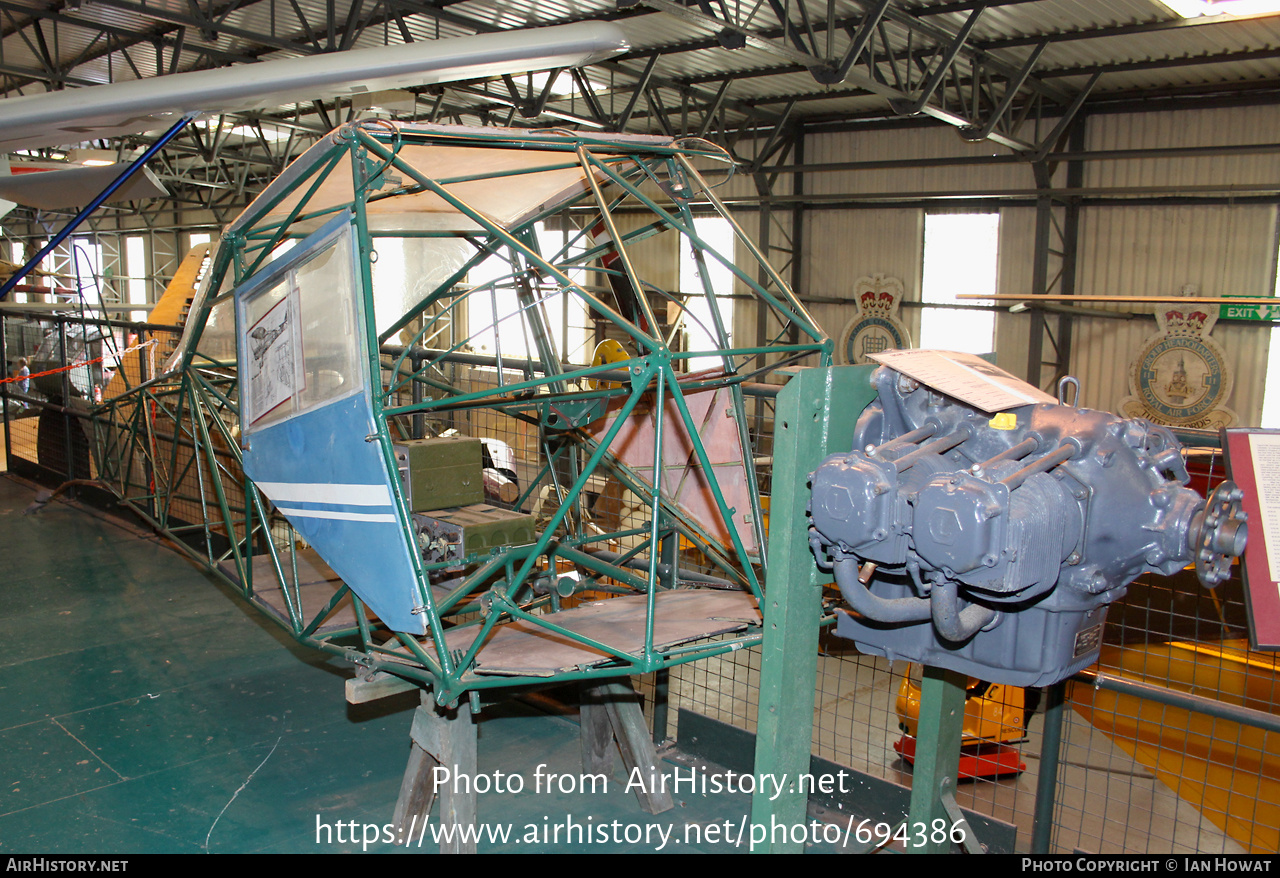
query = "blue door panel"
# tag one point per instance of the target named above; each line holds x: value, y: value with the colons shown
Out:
x: 334, y: 488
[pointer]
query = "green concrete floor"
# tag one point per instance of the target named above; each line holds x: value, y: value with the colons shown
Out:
x: 143, y: 709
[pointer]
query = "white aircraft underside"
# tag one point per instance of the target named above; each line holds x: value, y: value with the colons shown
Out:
x: 78, y: 115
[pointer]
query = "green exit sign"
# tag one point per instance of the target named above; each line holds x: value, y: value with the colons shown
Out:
x: 1268, y: 308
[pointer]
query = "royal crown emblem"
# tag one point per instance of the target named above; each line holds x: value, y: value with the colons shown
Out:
x: 1185, y: 325
x: 1180, y: 377
x: 882, y: 304
x: 875, y: 326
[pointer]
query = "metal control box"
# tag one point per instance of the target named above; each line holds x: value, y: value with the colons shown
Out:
x: 453, y: 534
x: 441, y: 472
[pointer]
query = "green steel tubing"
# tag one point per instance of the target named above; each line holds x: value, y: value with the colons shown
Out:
x: 689, y: 528
x: 295, y: 612
x: 655, y: 522
x: 328, y: 608
x: 486, y: 396
x: 612, y: 228
x: 490, y: 248
x: 442, y: 290
x: 515, y: 142
x: 632, y: 237
x: 433, y: 665
x: 365, y: 287
x: 204, y: 503
x: 176, y: 478
x: 807, y: 325
x: 692, y: 652
x: 810, y: 325
x: 725, y: 512
x: 223, y: 505
x: 735, y: 391
x: 320, y: 171
x: 515, y: 612
x: 586, y: 559
x: 640, y: 385
x: 468, y: 585
x: 511, y: 241
x: 1050, y: 759
x: 480, y: 682
x: 198, y: 391
x: 297, y: 584
x: 218, y: 268
x: 362, y: 623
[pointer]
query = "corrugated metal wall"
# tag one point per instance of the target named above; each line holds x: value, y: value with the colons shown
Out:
x: 1153, y: 251
x: 845, y: 245
x: 1157, y: 247
x: 1157, y: 250
x: 909, y: 143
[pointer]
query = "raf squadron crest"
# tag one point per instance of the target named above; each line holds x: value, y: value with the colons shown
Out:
x: 1180, y: 377
x: 875, y: 326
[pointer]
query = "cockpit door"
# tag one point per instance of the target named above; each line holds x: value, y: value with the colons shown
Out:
x: 311, y: 442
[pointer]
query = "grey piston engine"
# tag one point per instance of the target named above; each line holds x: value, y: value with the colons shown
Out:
x: 992, y: 546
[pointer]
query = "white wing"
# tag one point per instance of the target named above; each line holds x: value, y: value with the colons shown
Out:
x: 81, y: 114
x: 76, y: 187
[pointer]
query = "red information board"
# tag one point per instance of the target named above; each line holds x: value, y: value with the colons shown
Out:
x: 1253, y: 463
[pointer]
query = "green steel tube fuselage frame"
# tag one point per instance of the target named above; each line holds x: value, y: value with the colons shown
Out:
x: 172, y: 442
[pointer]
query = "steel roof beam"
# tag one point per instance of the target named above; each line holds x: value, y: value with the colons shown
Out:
x: 940, y: 65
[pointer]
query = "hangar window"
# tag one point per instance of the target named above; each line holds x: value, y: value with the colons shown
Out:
x: 17, y: 253
x: 86, y: 264
x: 960, y: 256
x: 492, y: 311
x: 137, y: 270
x: 698, y: 323
x: 1198, y: 8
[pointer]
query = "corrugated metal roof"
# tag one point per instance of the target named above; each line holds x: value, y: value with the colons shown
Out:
x: 1140, y: 47
x: 1082, y: 35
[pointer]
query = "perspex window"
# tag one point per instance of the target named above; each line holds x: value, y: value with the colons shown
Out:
x: 300, y: 332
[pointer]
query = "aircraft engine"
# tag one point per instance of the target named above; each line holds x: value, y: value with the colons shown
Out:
x: 992, y: 545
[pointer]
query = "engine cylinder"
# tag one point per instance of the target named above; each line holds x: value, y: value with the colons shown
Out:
x: 996, y: 543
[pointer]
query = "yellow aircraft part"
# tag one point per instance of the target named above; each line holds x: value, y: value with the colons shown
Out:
x: 992, y: 712
x: 1227, y: 770
x: 171, y: 310
x: 608, y: 351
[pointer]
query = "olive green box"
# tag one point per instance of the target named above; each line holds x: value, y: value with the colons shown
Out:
x: 441, y: 472
x: 452, y: 534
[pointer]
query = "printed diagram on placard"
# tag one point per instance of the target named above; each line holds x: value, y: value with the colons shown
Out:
x: 273, y: 357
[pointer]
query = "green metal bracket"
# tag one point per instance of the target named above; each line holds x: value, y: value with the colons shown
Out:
x: 571, y: 414
x: 815, y: 416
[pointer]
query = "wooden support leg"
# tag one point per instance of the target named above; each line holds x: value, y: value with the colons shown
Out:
x: 446, y: 740
x: 611, y: 713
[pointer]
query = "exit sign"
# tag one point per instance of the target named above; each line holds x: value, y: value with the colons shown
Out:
x: 1268, y: 308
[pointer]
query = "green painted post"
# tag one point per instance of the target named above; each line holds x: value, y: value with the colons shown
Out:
x: 928, y: 829
x: 1050, y: 758
x: 815, y: 416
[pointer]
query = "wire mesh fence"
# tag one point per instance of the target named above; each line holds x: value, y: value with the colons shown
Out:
x: 1134, y: 775
x: 1169, y: 745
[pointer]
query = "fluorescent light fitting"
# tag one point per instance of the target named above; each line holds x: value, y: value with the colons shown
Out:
x: 1208, y: 8
x: 92, y: 158
x: 394, y: 100
x: 271, y: 135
